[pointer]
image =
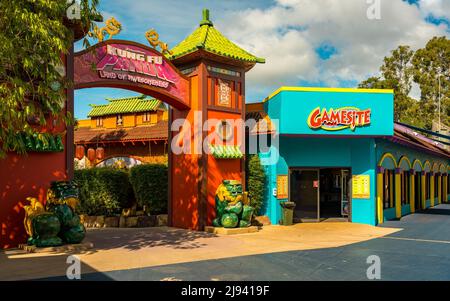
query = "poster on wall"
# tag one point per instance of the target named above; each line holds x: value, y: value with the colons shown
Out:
x: 282, y: 187
x: 361, y: 187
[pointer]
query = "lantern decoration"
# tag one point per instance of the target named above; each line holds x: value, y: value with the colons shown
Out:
x: 100, y: 153
x: 91, y: 154
x: 79, y: 152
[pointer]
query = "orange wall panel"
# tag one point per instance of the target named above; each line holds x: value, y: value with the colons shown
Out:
x: 110, y: 122
x: 219, y: 170
x: 84, y: 123
x: 22, y: 177
x: 129, y: 120
x: 185, y: 171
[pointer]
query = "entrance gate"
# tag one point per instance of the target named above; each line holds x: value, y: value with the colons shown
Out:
x: 205, y: 80
x: 193, y: 175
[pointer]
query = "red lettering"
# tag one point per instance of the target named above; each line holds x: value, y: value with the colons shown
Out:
x: 335, y: 117
x: 314, y: 119
x: 328, y: 119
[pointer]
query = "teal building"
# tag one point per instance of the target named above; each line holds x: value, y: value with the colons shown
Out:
x: 339, y: 155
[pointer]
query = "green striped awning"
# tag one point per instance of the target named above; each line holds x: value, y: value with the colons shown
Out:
x: 225, y: 151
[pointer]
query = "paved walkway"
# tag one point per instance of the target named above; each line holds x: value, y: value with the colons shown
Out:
x: 128, y: 249
x: 414, y: 248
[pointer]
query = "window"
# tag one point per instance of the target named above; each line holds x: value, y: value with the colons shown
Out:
x: 99, y: 121
x: 405, y: 178
x: 150, y: 117
x: 418, y: 190
x: 146, y: 117
x: 427, y: 186
x: 119, y: 120
x: 224, y: 131
x: 388, y: 189
x: 436, y: 186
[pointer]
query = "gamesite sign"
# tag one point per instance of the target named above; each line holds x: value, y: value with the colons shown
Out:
x: 338, y: 119
x: 128, y: 65
x: 332, y: 111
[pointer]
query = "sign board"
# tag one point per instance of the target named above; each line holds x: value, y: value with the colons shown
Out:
x: 224, y: 93
x: 332, y: 112
x: 282, y: 187
x: 338, y: 119
x: 361, y: 187
x: 132, y: 66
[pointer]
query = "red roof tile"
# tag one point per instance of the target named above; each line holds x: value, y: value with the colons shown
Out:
x: 158, y: 131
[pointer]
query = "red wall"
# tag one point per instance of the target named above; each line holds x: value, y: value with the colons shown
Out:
x: 21, y: 177
x: 221, y: 169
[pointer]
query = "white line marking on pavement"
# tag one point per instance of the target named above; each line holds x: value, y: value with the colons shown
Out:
x: 420, y: 240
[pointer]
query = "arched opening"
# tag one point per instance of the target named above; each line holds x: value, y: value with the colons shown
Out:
x: 406, y: 185
x: 386, y: 186
x: 418, y: 170
x: 125, y: 129
x: 429, y: 186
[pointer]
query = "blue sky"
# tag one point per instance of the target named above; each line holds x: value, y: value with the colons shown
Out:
x: 305, y: 42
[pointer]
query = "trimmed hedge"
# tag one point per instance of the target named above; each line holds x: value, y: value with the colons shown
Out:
x: 256, y: 182
x: 103, y: 191
x: 150, y: 185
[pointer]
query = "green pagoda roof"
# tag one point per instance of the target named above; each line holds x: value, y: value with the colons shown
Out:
x: 208, y: 38
x: 126, y: 105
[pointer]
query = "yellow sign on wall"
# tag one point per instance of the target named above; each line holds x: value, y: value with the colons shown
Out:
x: 282, y: 187
x: 361, y: 187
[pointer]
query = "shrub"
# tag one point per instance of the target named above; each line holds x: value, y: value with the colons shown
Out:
x: 103, y: 191
x: 150, y: 185
x: 256, y: 183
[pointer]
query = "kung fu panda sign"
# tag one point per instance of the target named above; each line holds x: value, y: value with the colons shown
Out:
x: 128, y: 65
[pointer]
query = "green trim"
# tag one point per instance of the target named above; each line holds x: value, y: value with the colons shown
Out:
x: 126, y: 105
x: 225, y: 151
x: 43, y: 142
x: 208, y: 38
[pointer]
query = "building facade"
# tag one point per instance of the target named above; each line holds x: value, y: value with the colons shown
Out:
x: 132, y: 130
x: 337, y: 154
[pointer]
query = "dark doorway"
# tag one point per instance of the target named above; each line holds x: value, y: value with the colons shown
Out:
x: 334, y: 193
x: 417, y: 191
x: 304, y: 188
x: 320, y: 194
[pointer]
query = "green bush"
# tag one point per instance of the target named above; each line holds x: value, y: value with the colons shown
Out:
x: 256, y: 182
x: 103, y: 191
x: 150, y: 185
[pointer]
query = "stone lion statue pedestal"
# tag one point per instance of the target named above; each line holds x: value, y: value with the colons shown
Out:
x: 233, y: 211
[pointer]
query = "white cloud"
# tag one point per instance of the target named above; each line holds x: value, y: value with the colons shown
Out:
x: 287, y: 34
x: 438, y: 8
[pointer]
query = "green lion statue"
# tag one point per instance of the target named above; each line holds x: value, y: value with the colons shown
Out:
x: 57, y: 223
x: 232, y: 206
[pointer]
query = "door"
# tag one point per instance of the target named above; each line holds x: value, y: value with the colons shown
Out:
x: 304, y: 192
x: 345, y: 192
x: 417, y: 191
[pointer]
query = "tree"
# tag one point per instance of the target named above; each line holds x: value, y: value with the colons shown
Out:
x: 33, y: 37
x: 397, y: 74
x: 256, y: 184
x: 431, y: 64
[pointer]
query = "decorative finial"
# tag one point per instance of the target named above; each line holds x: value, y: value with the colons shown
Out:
x: 153, y: 38
x: 206, y: 20
x: 112, y: 27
